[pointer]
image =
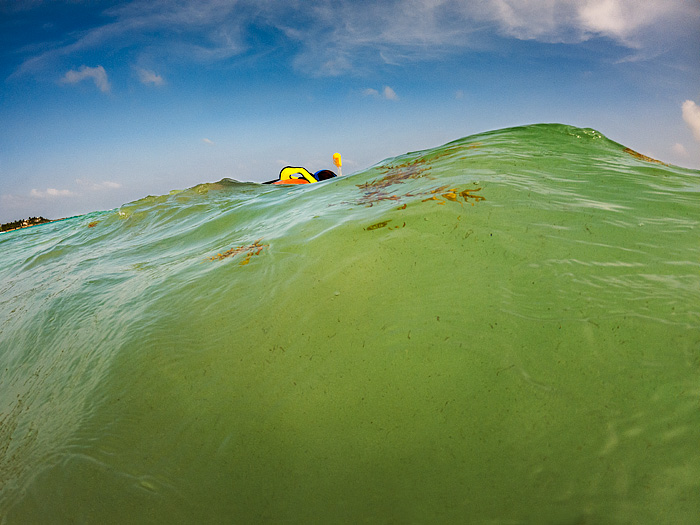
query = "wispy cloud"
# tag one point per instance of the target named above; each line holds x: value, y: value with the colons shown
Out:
x: 150, y: 77
x: 350, y: 35
x: 9, y: 200
x: 338, y: 36
x: 691, y: 115
x: 97, y: 74
x: 206, y: 30
x: 199, y: 30
x: 83, y: 186
x: 97, y: 186
x: 679, y: 149
x: 208, y: 141
x: 50, y: 193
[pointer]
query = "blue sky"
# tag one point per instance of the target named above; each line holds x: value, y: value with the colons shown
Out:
x: 104, y: 102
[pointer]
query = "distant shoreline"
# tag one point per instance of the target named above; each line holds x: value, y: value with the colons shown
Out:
x: 24, y: 223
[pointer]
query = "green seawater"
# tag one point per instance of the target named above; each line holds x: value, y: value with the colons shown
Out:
x: 504, y: 329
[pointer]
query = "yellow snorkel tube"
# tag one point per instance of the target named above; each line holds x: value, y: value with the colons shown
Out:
x: 338, y: 161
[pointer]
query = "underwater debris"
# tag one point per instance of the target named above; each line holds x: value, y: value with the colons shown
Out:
x: 639, y: 156
x: 249, y: 250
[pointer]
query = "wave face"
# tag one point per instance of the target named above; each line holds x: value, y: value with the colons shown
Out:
x: 505, y: 328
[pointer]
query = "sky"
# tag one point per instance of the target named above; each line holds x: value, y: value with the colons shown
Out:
x: 104, y: 102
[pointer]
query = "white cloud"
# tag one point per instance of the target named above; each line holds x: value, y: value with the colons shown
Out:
x: 626, y: 21
x: 387, y: 93
x: 679, y: 149
x: 97, y: 74
x: 571, y: 20
x: 97, y: 186
x: 150, y: 77
x: 208, y: 141
x: 691, y: 115
x: 51, y: 193
x: 607, y: 17
x: 9, y: 200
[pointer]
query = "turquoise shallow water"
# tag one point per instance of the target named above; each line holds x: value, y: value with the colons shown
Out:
x: 504, y: 329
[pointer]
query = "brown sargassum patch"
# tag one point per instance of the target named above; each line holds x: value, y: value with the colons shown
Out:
x: 639, y: 156
x: 249, y: 250
x: 441, y: 195
x: 377, y: 190
x: 453, y: 195
x: 384, y: 189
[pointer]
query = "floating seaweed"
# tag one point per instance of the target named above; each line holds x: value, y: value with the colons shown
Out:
x: 639, y: 156
x: 441, y: 195
x: 466, y: 195
x: 452, y: 195
x: 382, y: 225
x: 378, y: 225
x: 396, y: 175
x: 249, y: 250
x: 377, y: 190
x: 369, y: 199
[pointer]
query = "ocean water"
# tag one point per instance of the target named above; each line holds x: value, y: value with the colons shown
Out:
x: 504, y: 329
